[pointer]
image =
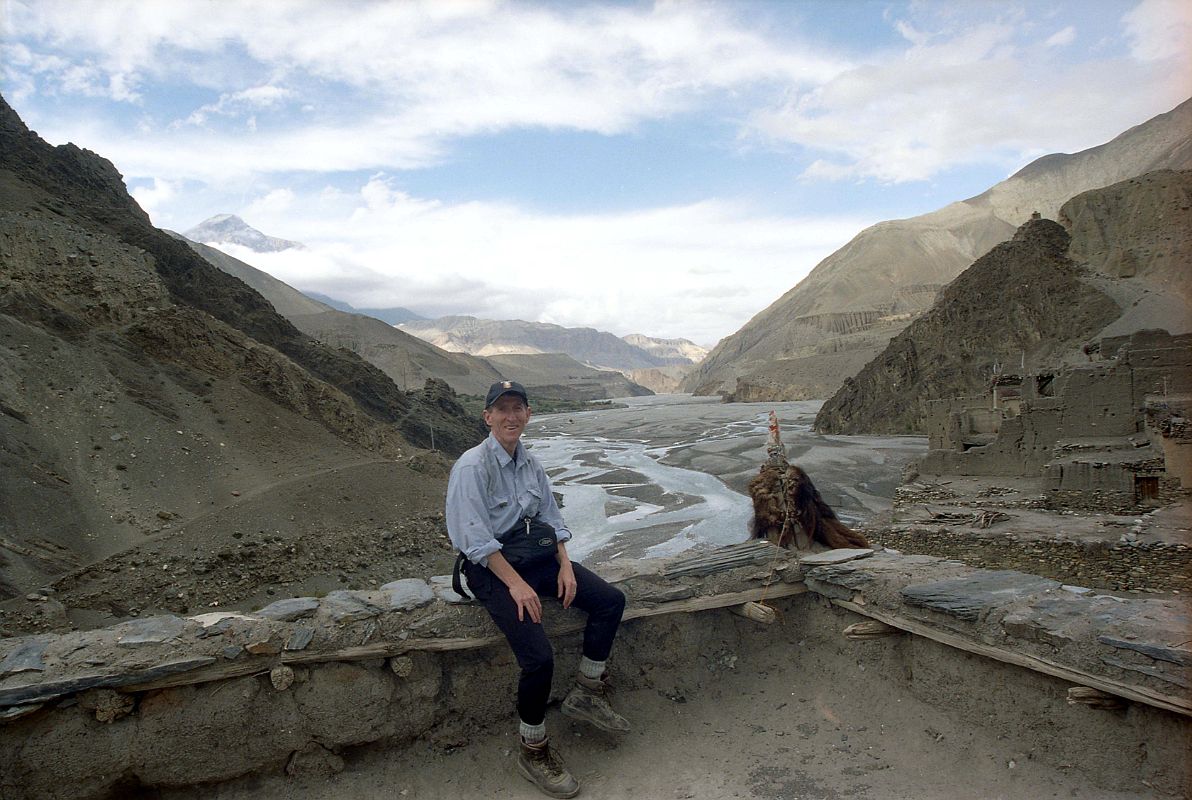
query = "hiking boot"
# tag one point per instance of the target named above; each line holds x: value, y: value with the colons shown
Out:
x: 588, y: 701
x: 542, y: 767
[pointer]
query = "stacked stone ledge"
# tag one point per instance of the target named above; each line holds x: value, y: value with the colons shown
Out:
x: 170, y: 701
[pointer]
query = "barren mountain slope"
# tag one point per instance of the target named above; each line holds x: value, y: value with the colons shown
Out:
x: 487, y: 337
x: 148, y: 413
x: 406, y: 359
x: 559, y: 376
x: 286, y: 300
x: 854, y: 301
x: 1126, y: 266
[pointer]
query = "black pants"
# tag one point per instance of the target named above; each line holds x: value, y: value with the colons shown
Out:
x: 604, y: 604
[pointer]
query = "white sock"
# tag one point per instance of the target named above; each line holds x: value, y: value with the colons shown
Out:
x: 532, y: 734
x: 591, y: 669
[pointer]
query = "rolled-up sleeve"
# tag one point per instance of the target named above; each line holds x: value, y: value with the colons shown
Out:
x: 468, y: 522
x: 548, y: 510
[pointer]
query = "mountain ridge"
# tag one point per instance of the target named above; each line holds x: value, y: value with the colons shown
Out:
x: 844, y: 312
x: 596, y: 348
x: 1118, y: 260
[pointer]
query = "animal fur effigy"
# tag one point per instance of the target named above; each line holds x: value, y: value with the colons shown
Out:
x: 788, y: 510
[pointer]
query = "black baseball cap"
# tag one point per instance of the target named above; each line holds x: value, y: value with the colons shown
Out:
x: 505, y: 387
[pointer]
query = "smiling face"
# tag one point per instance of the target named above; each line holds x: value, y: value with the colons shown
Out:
x: 507, y: 418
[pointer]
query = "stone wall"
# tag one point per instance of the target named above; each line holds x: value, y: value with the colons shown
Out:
x: 296, y: 686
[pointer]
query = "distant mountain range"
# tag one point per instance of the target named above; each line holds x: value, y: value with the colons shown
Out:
x: 393, y: 316
x: 410, y: 361
x: 848, y: 308
x: 230, y: 229
x: 599, y: 349
x: 642, y: 361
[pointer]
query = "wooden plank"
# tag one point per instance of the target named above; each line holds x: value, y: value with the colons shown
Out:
x: 1139, y: 694
x: 396, y: 647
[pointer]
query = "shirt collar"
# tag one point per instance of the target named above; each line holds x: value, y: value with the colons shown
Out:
x: 503, y: 458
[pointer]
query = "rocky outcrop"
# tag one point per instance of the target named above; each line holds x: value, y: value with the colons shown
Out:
x: 1030, y: 304
x: 660, y: 380
x: 142, y: 390
x: 861, y: 296
x: 96, y: 196
x: 681, y: 351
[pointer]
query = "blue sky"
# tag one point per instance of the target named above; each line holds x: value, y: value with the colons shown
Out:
x: 668, y: 169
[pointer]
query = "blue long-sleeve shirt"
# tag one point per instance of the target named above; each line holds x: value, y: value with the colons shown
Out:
x: 489, y: 492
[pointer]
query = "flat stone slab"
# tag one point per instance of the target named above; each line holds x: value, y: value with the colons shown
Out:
x: 216, y: 617
x: 1160, y: 652
x: 969, y: 596
x: 441, y: 586
x: 1143, y: 669
x: 835, y: 556
x: 408, y: 594
x: 34, y: 691
x: 149, y: 631
x: 300, y: 638
x: 290, y: 609
x: 345, y: 605
x: 27, y: 657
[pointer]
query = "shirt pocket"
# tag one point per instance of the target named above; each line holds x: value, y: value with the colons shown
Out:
x: 531, y: 500
x: 497, y: 503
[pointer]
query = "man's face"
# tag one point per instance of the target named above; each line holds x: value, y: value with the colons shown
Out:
x: 507, y: 418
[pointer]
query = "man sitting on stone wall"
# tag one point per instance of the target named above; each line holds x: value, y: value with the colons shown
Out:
x: 503, y: 519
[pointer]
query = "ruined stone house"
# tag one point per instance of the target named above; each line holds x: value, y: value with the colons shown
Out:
x: 1114, y: 425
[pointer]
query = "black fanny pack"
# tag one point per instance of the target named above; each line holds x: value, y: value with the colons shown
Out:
x: 530, y: 541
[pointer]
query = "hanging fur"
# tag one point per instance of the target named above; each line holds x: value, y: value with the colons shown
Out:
x: 797, y: 516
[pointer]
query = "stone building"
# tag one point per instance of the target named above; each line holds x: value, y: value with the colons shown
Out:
x: 1116, y: 425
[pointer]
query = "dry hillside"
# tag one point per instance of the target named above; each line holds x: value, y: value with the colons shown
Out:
x: 166, y: 438
x: 842, y: 314
x: 1120, y: 261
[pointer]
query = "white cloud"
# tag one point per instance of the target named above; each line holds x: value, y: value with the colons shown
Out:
x: 698, y: 271
x: 232, y: 104
x: 1062, y: 37
x: 154, y: 196
x: 1160, y: 30
x: 968, y: 93
x: 392, y: 84
x: 275, y: 203
x: 426, y: 73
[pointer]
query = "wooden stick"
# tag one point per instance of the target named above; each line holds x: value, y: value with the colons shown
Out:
x: 870, y: 629
x: 1095, y: 698
x: 755, y: 611
x: 1178, y: 705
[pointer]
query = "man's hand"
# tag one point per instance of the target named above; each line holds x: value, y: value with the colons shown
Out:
x: 527, y: 601
x: 566, y: 576
x: 524, y: 597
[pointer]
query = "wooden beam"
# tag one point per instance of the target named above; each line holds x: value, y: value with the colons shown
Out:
x: 1141, y: 694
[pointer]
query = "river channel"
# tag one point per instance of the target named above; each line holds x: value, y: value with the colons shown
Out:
x: 667, y: 473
